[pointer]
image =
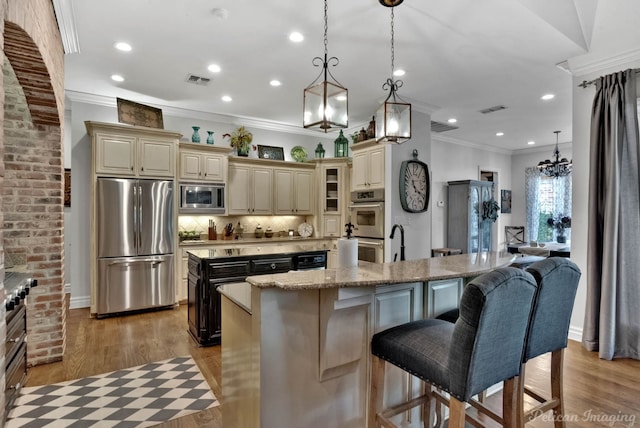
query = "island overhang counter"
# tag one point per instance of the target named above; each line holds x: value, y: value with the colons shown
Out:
x: 295, y: 346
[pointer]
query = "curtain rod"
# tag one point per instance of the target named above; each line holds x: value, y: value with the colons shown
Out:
x: 586, y: 83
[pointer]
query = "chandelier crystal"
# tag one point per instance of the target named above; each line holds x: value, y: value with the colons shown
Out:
x: 393, y: 118
x: 559, y: 167
x: 325, y: 102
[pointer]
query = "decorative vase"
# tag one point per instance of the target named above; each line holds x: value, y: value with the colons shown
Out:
x: 195, y: 137
x: 243, y: 151
x: 561, y: 239
x: 210, y: 137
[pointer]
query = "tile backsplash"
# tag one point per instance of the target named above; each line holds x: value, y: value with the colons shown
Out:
x: 200, y: 223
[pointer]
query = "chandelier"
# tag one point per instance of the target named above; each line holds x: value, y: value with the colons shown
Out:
x: 558, y: 167
x: 325, y: 102
x: 393, y: 118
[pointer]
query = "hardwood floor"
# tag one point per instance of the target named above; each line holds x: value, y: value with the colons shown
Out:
x: 597, y: 393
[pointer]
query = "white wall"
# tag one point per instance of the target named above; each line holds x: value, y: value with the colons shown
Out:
x: 455, y: 161
x: 78, y: 145
x: 416, y: 226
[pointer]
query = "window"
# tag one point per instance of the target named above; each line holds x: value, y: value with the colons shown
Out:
x: 546, y: 197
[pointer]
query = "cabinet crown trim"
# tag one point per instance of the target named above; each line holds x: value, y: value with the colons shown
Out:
x: 96, y: 127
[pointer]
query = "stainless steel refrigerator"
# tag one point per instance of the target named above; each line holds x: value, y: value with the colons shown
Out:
x: 135, y: 244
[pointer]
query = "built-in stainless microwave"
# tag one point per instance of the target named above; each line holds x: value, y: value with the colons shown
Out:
x: 201, y: 198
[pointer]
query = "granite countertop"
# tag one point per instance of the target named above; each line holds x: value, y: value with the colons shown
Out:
x: 372, y: 274
x: 250, y: 240
x: 283, y: 249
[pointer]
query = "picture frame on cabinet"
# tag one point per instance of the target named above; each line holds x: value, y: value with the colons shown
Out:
x: 270, y: 152
x: 136, y: 114
x: 505, y: 201
x: 67, y: 187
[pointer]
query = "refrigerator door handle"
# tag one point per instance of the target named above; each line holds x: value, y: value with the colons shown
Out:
x: 153, y: 262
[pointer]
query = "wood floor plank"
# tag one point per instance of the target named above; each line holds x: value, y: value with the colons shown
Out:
x: 597, y: 393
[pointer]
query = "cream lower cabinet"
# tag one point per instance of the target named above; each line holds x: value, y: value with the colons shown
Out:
x: 368, y: 166
x: 395, y: 305
x: 250, y: 189
x: 293, y: 191
x: 441, y: 296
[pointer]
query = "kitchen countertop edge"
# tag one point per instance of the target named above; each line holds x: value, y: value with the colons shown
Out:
x: 373, y: 274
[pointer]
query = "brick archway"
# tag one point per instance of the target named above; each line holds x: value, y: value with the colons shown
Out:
x: 32, y: 74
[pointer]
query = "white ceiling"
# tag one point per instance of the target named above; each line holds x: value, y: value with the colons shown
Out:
x: 461, y: 56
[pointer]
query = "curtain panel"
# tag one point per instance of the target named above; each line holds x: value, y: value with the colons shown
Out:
x: 612, y: 318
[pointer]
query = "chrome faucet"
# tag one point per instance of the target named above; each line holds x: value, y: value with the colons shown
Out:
x: 393, y: 231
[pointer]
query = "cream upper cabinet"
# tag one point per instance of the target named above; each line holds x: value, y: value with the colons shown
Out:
x: 157, y: 157
x: 203, y: 162
x: 293, y: 191
x: 368, y: 167
x: 202, y: 166
x: 250, y: 189
x: 333, y: 195
x: 122, y: 150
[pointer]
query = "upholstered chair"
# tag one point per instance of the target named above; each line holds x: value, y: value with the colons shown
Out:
x: 557, y: 280
x: 483, y: 347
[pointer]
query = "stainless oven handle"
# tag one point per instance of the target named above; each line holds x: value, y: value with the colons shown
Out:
x: 370, y: 243
x: 366, y: 205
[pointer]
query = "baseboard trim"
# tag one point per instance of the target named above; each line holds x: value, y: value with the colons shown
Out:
x: 79, y: 302
x: 575, y: 333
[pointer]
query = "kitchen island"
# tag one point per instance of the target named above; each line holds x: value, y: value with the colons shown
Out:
x: 295, y: 346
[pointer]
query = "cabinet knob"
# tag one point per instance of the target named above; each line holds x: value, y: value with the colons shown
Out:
x: 273, y: 266
x: 141, y: 168
x: 132, y: 168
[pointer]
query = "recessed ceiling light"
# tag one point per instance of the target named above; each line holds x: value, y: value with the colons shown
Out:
x: 123, y: 46
x: 531, y: 143
x: 275, y: 83
x: 117, y: 78
x: 226, y: 98
x: 399, y: 73
x: 214, y: 68
x: 452, y: 120
x: 547, y: 97
x: 499, y: 134
x: 296, y: 37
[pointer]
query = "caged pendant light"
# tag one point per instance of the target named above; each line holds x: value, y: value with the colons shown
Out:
x: 325, y: 102
x: 558, y: 167
x: 393, y: 118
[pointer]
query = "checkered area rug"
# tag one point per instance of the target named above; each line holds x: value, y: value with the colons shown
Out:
x: 137, y: 397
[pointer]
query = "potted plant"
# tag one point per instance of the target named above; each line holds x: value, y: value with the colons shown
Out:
x: 240, y: 139
x: 560, y: 223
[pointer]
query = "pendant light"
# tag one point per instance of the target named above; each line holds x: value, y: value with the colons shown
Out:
x: 558, y: 167
x: 325, y: 102
x: 393, y: 118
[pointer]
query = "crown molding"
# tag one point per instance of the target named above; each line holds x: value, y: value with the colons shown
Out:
x: 108, y: 101
x: 464, y: 143
x: 548, y: 148
x: 585, y: 67
x: 67, y: 25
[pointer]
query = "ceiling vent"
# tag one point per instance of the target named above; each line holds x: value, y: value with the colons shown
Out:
x: 197, y: 80
x: 492, y: 109
x: 441, y: 127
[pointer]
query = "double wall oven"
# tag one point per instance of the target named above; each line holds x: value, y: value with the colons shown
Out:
x: 367, y: 216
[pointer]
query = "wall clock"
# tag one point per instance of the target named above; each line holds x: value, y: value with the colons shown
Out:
x: 305, y: 229
x: 414, y: 185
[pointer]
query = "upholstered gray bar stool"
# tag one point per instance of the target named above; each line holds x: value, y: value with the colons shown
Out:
x: 482, y: 348
x: 557, y: 279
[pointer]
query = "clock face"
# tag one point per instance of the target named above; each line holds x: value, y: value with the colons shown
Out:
x: 305, y: 230
x: 414, y: 186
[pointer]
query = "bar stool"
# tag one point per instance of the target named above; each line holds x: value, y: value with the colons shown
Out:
x: 482, y: 348
x: 557, y: 279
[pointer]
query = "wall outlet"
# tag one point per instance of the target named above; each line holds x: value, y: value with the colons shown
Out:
x: 440, y: 204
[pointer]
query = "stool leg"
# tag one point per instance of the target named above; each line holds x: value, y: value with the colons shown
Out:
x: 429, y: 408
x: 456, y: 413
x: 510, y: 402
x: 557, y: 358
x: 377, y: 390
x: 520, y: 397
